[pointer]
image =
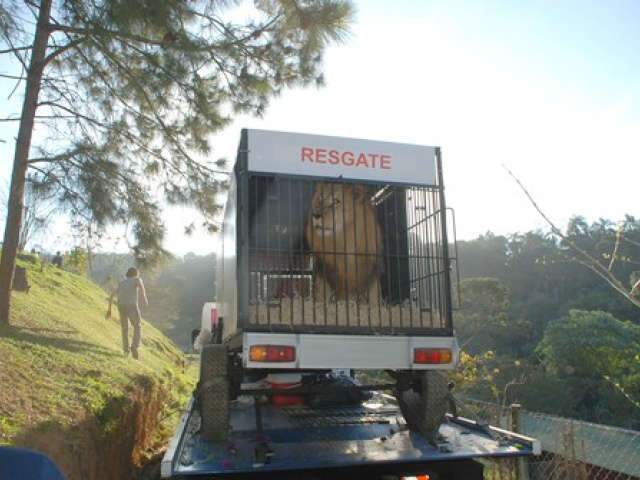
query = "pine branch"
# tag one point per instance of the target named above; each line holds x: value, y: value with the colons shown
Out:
x: 72, y: 113
x: 151, y: 105
x: 55, y: 158
x: 72, y: 194
x: 143, y: 101
x: 156, y: 64
x: 164, y: 160
x: 63, y: 48
x: 106, y: 127
x: 99, y: 31
x: 128, y: 107
x: 229, y: 33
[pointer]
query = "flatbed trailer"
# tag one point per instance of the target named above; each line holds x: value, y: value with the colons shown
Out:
x: 362, y: 441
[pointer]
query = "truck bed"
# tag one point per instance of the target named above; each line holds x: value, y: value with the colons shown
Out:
x: 301, y: 438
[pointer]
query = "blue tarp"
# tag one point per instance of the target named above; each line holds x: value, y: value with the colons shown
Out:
x: 23, y: 464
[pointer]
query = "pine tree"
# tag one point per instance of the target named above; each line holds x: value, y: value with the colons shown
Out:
x: 128, y: 92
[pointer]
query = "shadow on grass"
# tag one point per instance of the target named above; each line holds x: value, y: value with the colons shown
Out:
x: 48, y: 330
x: 68, y: 344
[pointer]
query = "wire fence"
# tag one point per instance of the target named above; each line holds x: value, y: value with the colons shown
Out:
x: 571, y: 449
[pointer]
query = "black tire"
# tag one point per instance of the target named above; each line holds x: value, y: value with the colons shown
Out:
x: 214, y: 393
x: 424, y: 406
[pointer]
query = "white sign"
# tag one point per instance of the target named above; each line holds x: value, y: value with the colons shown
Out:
x: 337, y: 157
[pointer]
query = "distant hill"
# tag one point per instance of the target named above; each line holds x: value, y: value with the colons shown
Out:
x: 68, y: 390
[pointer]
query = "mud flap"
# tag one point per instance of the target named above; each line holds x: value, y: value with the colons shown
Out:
x: 213, y: 393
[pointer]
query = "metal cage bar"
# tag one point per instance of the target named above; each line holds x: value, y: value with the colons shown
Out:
x: 327, y: 256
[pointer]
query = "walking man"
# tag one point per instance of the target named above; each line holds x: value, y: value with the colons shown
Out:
x: 128, y: 291
x: 57, y: 260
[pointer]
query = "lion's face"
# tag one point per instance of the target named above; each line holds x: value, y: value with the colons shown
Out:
x: 332, y: 204
x: 342, y: 220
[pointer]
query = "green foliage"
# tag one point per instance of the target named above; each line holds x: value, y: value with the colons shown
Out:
x: 482, y: 323
x: 133, y: 92
x: 596, y: 356
x: 484, y: 302
x: 543, y: 279
x: 474, y: 376
x: 544, y: 392
x: 552, y: 326
x: 77, y: 261
x: 590, y: 344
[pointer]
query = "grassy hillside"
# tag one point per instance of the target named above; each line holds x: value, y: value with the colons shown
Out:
x: 61, y: 361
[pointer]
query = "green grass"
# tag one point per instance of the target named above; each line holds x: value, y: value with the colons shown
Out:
x: 60, y: 359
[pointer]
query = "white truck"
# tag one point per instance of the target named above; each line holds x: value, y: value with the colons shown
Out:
x: 335, y: 257
x: 335, y: 254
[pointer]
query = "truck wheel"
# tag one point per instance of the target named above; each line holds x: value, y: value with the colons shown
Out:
x: 213, y: 392
x: 424, y: 406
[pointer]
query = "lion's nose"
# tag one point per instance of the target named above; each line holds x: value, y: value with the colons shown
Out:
x: 317, y: 216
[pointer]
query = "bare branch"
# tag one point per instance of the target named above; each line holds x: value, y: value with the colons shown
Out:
x: 621, y: 390
x: 614, y: 254
x: 632, y: 242
x: 12, y: 77
x: 41, y: 117
x: 586, y: 259
x: 14, y: 49
x: 15, y: 87
x: 32, y: 4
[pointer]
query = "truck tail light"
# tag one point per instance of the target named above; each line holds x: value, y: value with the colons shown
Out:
x: 272, y: 353
x: 214, y: 318
x: 432, y: 355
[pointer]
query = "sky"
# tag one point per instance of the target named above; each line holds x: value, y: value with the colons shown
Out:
x: 549, y: 89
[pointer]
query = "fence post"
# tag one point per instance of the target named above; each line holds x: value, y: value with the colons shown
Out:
x: 522, y: 465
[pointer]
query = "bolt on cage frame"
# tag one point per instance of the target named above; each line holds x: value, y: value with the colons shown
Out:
x: 284, y: 284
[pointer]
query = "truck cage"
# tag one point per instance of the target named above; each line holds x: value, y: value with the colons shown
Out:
x: 396, y: 234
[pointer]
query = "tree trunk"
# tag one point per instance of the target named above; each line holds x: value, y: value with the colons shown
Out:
x: 89, y: 251
x: 20, y: 159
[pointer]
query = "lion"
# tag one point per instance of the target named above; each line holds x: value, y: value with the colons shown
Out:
x: 345, y: 238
